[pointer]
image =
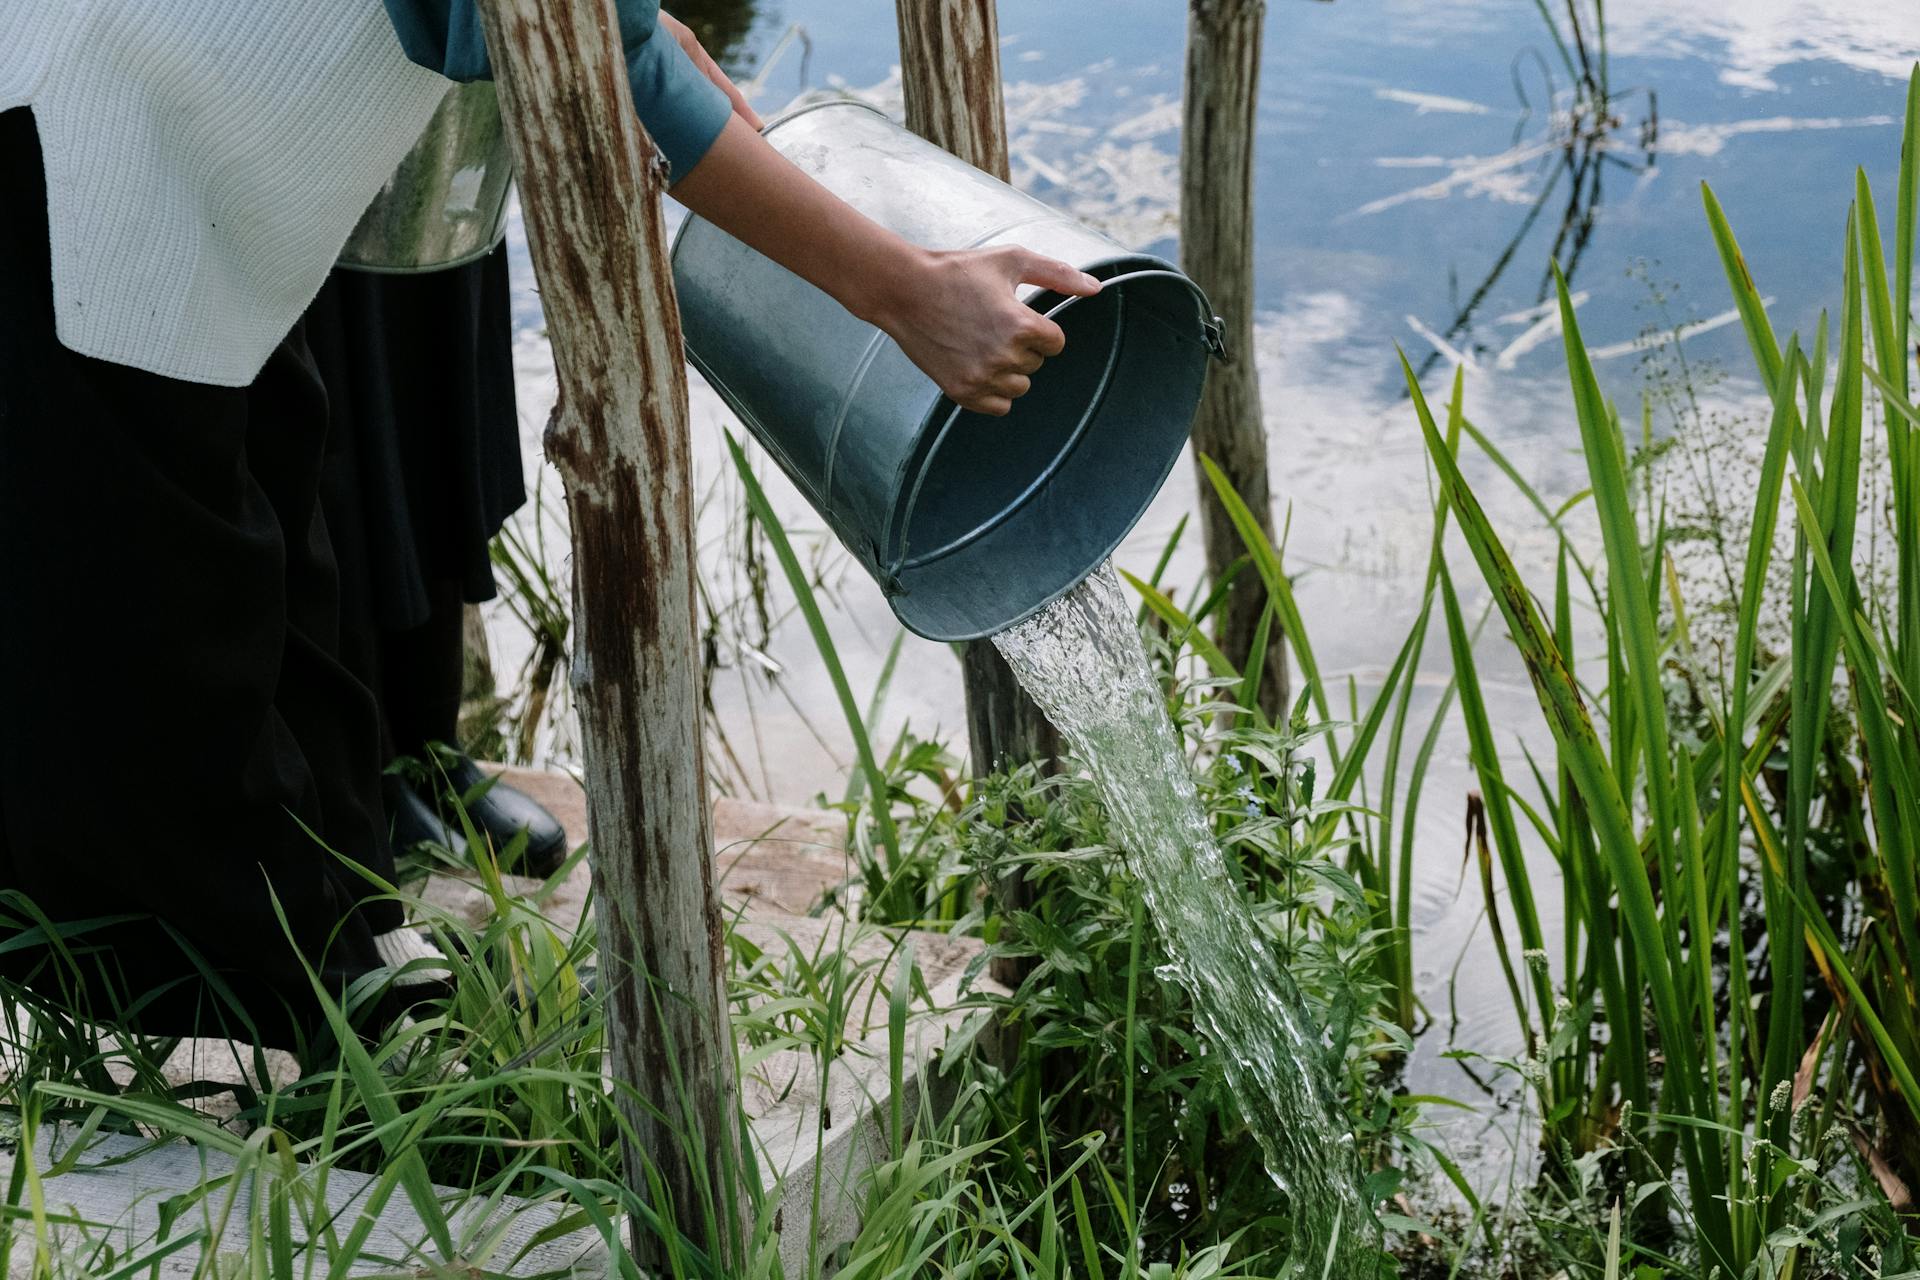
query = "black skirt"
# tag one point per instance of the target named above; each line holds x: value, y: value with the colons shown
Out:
x: 423, y: 457
x: 182, y: 747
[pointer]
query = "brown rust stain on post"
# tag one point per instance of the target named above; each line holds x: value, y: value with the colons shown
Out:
x: 590, y: 187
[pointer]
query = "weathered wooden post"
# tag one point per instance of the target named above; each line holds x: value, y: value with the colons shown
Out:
x: 950, y: 71
x: 1216, y: 250
x: 477, y: 684
x: 590, y: 186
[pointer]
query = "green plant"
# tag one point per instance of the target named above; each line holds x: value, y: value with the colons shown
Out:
x: 1100, y: 1040
x: 1107, y: 1038
x: 1582, y: 46
x: 1653, y: 838
x: 538, y: 601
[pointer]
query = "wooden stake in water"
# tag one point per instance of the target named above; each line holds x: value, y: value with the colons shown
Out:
x: 1216, y: 251
x: 950, y: 76
x: 1082, y: 660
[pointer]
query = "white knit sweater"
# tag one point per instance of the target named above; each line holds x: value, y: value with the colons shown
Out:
x: 206, y: 160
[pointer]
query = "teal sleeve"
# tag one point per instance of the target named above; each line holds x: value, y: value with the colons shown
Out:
x: 682, y: 109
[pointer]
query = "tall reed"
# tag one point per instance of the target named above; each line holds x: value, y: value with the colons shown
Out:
x: 1656, y: 841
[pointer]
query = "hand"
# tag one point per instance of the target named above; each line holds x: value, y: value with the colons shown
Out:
x: 953, y: 312
x: 709, y: 68
x: 956, y: 317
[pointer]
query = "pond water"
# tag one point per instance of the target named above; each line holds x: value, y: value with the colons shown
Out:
x: 1413, y: 181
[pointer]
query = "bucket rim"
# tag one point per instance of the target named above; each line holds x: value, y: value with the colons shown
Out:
x: 945, y: 412
x: 1120, y: 269
x: 820, y: 104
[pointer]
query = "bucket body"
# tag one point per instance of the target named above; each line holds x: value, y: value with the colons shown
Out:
x: 969, y: 523
x: 447, y: 202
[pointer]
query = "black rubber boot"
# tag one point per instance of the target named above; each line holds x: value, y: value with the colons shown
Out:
x: 500, y: 813
x: 413, y: 820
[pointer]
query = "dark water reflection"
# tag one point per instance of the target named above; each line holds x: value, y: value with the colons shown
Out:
x: 726, y: 29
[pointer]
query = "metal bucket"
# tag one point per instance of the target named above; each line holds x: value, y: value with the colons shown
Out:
x: 969, y: 523
x: 447, y: 202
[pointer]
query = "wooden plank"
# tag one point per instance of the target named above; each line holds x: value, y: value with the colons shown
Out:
x: 591, y: 183
x: 768, y: 859
x: 773, y: 865
x: 118, y: 1188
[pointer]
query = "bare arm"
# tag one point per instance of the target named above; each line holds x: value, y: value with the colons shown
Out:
x: 953, y: 313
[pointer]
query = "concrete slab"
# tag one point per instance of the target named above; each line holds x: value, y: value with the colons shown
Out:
x: 124, y: 1198
x: 773, y: 861
x: 808, y: 1122
x: 775, y: 866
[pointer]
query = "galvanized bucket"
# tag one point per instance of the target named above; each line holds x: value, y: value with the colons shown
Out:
x: 969, y: 523
x: 447, y: 202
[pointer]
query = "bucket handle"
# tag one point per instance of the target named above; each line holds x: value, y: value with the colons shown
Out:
x: 1212, y: 334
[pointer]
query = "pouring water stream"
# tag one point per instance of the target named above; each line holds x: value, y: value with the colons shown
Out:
x: 1081, y: 660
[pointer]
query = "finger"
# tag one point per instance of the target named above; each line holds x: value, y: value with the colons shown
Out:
x: 707, y: 67
x: 1029, y: 361
x: 743, y: 108
x: 1051, y: 273
x: 993, y: 406
x: 1012, y: 385
x: 1043, y: 337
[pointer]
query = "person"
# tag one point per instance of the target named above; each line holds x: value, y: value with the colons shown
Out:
x: 421, y: 470
x: 189, y: 774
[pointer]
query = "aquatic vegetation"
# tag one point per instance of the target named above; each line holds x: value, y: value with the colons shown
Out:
x: 1653, y: 1042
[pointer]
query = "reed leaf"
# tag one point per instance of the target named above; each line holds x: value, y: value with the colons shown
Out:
x: 763, y: 512
x: 1266, y: 562
x: 1618, y: 846
x: 1746, y: 298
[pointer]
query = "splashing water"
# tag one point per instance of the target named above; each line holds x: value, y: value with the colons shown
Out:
x: 1082, y: 661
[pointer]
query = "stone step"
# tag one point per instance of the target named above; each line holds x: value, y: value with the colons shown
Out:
x: 107, y: 1210
x: 771, y: 859
x: 776, y: 864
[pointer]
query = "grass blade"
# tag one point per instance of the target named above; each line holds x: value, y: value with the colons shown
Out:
x: 1746, y: 298
x: 823, y: 640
